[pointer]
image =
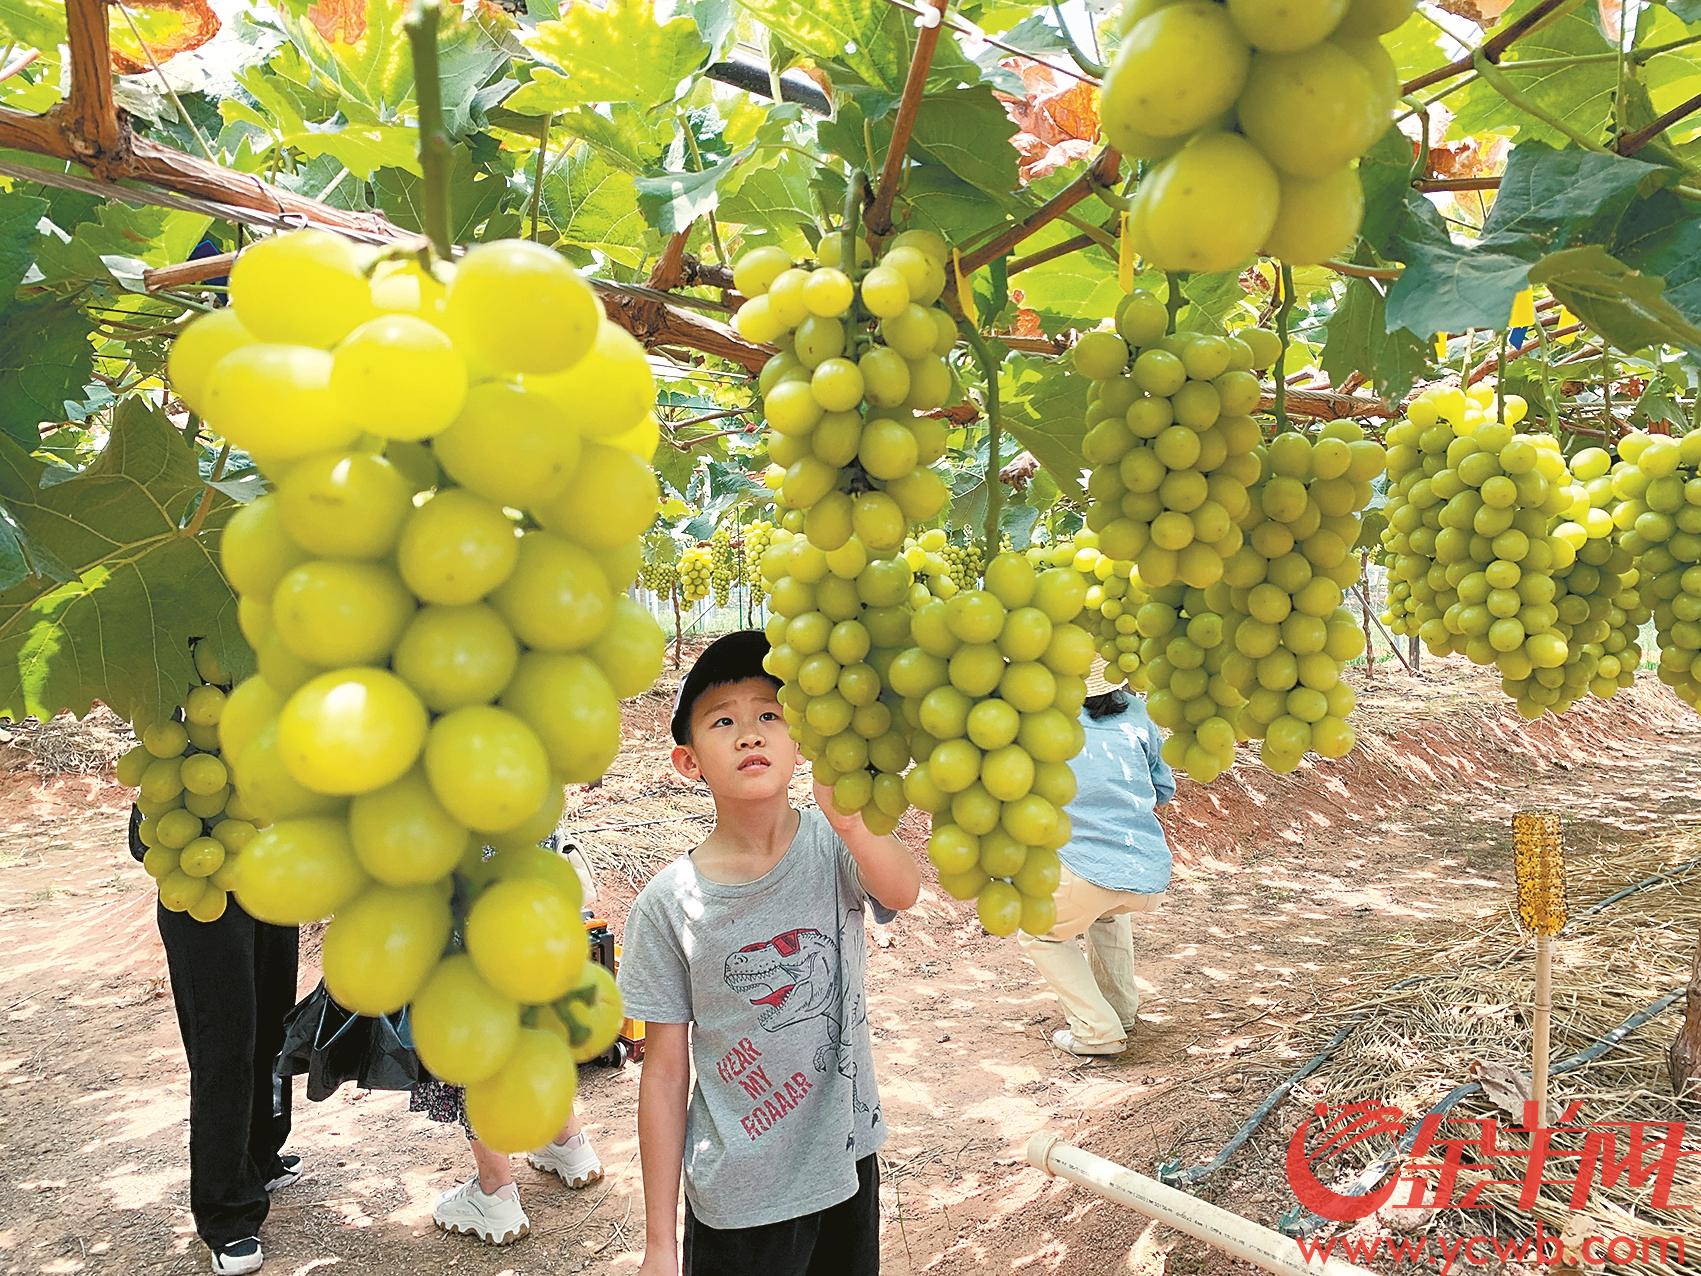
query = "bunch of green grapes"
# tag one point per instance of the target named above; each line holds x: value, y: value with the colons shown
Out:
x: 1601, y: 611
x: 1258, y: 655
x: 723, y: 565
x: 838, y: 620
x: 436, y: 592
x: 861, y: 357
x: 932, y: 557
x: 1255, y: 115
x: 1115, y: 594
x: 963, y: 562
x: 696, y: 573
x: 659, y: 577
x: 1171, y: 440
x: 1473, y: 508
x: 757, y: 537
x: 194, y: 823
x: 1658, y: 483
x: 862, y: 354
x: 992, y: 689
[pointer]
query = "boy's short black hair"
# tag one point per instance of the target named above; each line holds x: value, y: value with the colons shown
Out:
x: 731, y: 658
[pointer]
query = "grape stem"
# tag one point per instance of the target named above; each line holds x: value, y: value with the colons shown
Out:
x: 1283, y: 315
x: 994, y: 433
x: 421, y: 26
x: 537, y: 180
x: 1091, y: 65
x: 915, y: 83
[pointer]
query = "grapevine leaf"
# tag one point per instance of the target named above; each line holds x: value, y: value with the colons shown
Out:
x: 1385, y: 172
x: 166, y: 27
x: 968, y: 132
x: 593, y: 204
x: 1688, y: 10
x: 1579, y: 92
x: 1069, y: 291
x: 1359, y: 340
x: 774, y: 196
x: 626, y: 136
x: 940, y: 201
x: 1210, y: 300
x: 360, y: 48
x: 871, y: 38
x: 119, y: 630
x: 45, y: 360
x: 36, y: 24
x: 1661, y: 236
x: 672, y: 201
x: 623, y: 53
x: 1447, y: 287
x: 1047, y: 413
x: 1551, y: 198
x: 1626, y: 307
x: 474, y: 194
x: 19, y: 214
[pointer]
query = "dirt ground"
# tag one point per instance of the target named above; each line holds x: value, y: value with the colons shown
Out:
x: 1294, y: 897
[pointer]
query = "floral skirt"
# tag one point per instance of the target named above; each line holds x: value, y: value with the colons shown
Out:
x: 441, y: 1102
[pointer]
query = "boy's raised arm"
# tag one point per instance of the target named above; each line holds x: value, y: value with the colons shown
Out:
x: 664, y: 1085
x: 888, y: 869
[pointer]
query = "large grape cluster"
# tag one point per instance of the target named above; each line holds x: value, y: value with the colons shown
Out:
x: 838, y: 620
x: 194, y: 823
x: 861, y: 358
x: 1473, y: 542
x: 935, y: 562
x: 1658, y: 482
x: 964, y: 561
x: 1258, y: 655
x: 1115, y: 594
x: 696, y: 573
x: 1171, y: 440
x: 1601, y: 610
x: 431, y: 671
x: 659, y: 577
x: 992, y: 689
x: 757, y: 537
x: 723, y: 565
x: 1254, y: 115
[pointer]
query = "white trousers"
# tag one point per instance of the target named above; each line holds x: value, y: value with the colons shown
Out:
x: 1097, y: 989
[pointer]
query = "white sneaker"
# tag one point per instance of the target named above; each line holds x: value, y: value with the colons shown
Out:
x: 235, y: 1258
x: 495, y: 1217
x: 1063, y: 1039
x: 289, y: 1171
x: 574, y: 1162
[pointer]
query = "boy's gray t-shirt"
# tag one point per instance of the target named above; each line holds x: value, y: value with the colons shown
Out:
x: 769, y: 974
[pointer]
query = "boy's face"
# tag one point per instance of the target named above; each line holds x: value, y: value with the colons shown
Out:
x: 739, y: 744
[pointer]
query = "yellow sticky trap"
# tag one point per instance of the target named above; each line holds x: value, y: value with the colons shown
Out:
x: 965, y: 294
x: 1441, y: 346
x: 1524, y: 309
x: 1124, y: 255
x: 1565, y: 320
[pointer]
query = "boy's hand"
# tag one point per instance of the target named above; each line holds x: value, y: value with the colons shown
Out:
x: 842, y: 824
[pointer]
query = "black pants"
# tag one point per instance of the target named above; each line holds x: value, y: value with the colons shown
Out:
x: 841, y: 1240
x: 233, y: 981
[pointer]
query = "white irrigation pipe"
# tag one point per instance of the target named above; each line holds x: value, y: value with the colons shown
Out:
x: 1217, y: 1227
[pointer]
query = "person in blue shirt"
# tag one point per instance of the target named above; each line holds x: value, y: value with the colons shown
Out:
x: 1117, y: 863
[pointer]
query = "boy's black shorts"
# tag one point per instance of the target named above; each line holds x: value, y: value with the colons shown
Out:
x: 842, y: 1240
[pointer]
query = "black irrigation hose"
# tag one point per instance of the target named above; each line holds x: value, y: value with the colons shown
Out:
x: 1301, y: 1222
x: 1171, y: 1173
x: 1643, y: 885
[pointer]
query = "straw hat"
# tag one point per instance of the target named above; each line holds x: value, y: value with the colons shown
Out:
x: 1097, y: 683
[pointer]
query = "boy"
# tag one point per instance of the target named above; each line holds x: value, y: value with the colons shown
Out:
x: 746, y: 957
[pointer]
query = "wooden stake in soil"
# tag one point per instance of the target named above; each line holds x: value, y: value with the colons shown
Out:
x: 1538, y: 863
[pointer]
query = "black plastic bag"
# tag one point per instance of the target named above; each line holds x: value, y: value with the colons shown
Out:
x: 332, y: 1045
